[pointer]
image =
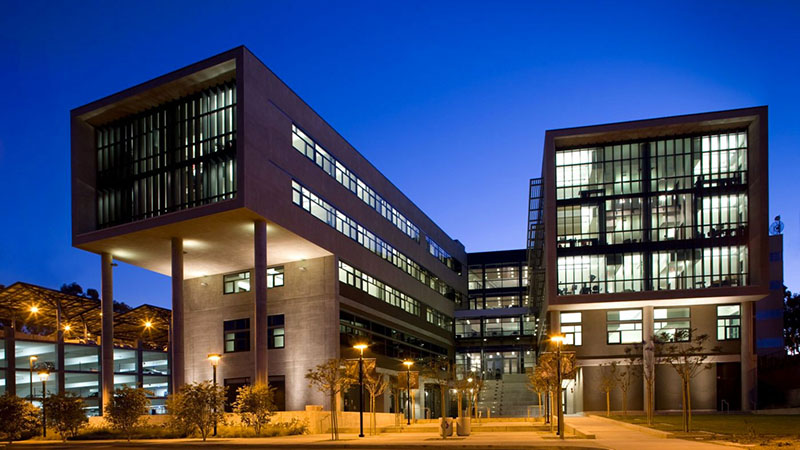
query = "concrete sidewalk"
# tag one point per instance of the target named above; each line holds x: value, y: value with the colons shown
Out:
x: 609, y: 435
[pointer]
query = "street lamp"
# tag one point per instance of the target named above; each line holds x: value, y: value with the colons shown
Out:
x: 44, y: 372
x: 408, y: 365
x: 558, y: 339
x: 33, y: 359
x: 361, y: 348
x: 214, y: 358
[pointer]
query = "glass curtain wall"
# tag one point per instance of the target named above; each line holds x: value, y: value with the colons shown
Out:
x: 652, y: 215
x: 176, y: 156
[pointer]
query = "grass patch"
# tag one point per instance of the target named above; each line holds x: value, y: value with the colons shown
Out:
x: 765, y: 431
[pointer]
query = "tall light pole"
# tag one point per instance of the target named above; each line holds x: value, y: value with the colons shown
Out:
x: 44, y: 372
x: 214, y: 358
x: 558, y: 339
x: 361, y: 348
x: 32, y: 359
x: 408, y: 365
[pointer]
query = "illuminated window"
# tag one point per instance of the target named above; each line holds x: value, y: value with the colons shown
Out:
x: 276, y: 331
x: 729, y: 321
x: 571, y: 328
x: 236, y: 282
x: 624, y: 326
x: 237, y: 335
x: 672, y: 324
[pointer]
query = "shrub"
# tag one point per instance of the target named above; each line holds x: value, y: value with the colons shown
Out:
x: 20, y: 419
x: 197, y: 406
x: 65, y: 412
x: 125, y: 409
x: 255, y: 405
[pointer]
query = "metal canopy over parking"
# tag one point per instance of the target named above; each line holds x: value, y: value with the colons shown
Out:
x: 37, y: 310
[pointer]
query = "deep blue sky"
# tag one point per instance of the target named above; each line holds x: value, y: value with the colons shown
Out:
x: 450, y: 101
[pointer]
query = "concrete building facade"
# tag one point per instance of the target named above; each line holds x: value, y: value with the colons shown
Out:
x: 284, y: 244
x: 658, y: 228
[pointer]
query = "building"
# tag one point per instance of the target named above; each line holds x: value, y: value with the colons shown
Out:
x: 284, y: 244
x: 769, y: 312
x: 495, y: 330
x: 658, y: 227
x: 44, y: 328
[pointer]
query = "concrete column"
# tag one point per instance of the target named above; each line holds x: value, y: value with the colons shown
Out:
x: 176, y: 347
x: 648, y: 354
x: 107, y: 327
x: 11, y: 363
x: 748, y: 358
x: 260, y: 291
x: 60, y: 376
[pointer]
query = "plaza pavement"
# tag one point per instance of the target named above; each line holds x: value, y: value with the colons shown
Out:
x: 608, y: 435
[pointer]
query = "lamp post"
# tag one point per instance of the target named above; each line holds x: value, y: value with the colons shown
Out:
x: 361, y: 348
x: 32, y: 359
x: 408, y: 365
x: 44, y: 372
x: 559, y: 340
x: 214, y: 358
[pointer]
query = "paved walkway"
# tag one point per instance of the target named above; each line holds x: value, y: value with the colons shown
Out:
x: 609, y: 435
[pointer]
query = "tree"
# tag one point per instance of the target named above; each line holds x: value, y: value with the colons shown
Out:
x: 688, y: 358
x: 255, y: 404
x: 65, y: 413
x: 20, y: 419
x: 126, y: 408
x: 198, y: 406
x: 462, y: 384
x: 608, y: 381
x: 547, y: 364
x: 538, y: 384
x: 72, y: 289
x: 330, y: 379
x: 648, y: 369
x: 375, y: 383
x: 440, y: 370
x: 791, y: 323
x: 92, y: 293
x: 627, y: 372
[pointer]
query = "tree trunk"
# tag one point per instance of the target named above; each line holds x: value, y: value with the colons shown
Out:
x: 333, y: 417
x: 689, y: 405
x: 460, y: 404
x: 683, y: 405
x: 443, y: 390
x: 624, y: 402
x: 550, y: 409
x: 539, y: 394
x: 608, y: 403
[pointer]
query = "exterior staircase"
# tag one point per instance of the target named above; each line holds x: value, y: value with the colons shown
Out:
x: 507, y: 397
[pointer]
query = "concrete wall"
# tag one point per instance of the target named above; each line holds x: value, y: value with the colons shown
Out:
x: 308, y: 302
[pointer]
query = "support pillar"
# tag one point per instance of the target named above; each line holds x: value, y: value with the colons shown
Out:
x: 260, y: 291
x: 60, y: 375
x: 648, y: 354
x: 11, y: 363
x: 748, y: 358
x: 176, y: 341
x: 107, y: 329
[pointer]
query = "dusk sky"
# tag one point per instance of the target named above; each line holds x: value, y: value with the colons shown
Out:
x: 449, y: 100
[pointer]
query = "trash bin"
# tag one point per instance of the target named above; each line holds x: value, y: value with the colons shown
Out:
x: 446, y: 426
x: 464, y: 426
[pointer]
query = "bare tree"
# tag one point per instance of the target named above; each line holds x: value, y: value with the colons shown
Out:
x: 440, y: 370
x: 538, y: 384
x: 627, y: 371
x: 647, y: 367
x: 330, y: 378
x: 376, y: 384
x: 686, y: 353
x: 608, y: 381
